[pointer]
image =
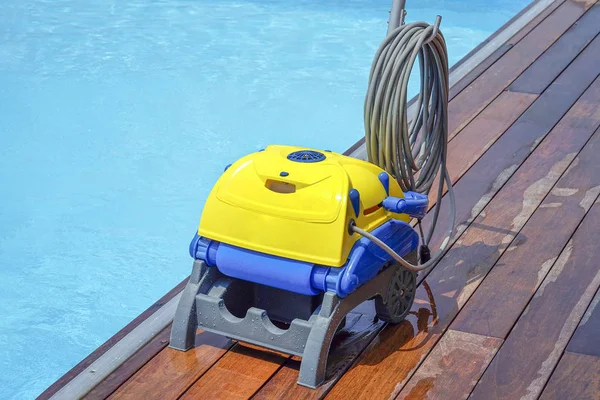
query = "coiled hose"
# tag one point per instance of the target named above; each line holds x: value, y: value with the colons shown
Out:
x: 413, y: 152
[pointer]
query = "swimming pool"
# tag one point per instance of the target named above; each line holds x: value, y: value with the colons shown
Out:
x: 117, y: 117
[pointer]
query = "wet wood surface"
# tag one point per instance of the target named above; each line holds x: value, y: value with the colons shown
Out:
x: 479, y: 135
x: 576, y: 377
x: 499, y: 301
x: 344, y: 351
x: 506, y: 290
x: 511, y: 309
x: 586, y: 339
x: 493, y: 169
x: 455, y: 363
x: 523, y: 365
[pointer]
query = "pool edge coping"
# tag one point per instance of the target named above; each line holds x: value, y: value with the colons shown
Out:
x: 102, y: 365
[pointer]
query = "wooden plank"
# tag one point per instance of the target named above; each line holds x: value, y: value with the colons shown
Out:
x: 345, y: 348
x: 479, y: 135
x: 402, y: 348
x: 505, y: 292
x: 130, y: 367
x: 550, y: 64
x: 449, y: 371
x: 577, y: 376
x: 475, y: 189
x: 499, y: 76
x: 495, y: 56
x: 523, y: 365
x: 530, y: 24
x: 171, y: 372
x: 245, y: 368
x: 535, y: 22
x: 586, y: 339
x: 481, y: 68
x: 86, y: 362
x: 237, y: 375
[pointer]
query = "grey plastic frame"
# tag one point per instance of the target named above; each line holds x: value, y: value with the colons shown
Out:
x: 202, y: 305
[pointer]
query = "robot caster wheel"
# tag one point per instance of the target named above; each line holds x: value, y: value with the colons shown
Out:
x: 396, y: 303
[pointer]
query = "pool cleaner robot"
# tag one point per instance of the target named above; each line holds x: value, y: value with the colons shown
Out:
x: 291, y: 239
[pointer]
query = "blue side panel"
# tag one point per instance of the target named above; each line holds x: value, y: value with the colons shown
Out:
x: 365, y: 261
x: 253, y: 266
x: 366, y: 258
x: 265, y: 269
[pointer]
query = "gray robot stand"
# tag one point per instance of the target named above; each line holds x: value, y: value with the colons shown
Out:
x: 283, y: 321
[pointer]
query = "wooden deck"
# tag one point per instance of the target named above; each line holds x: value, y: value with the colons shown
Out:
x: 510, y: 311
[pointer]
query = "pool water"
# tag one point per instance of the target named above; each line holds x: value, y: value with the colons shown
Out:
x: 116, y: 118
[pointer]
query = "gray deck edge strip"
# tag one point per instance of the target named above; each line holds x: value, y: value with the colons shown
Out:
x: 96, y: 372
x: 477, y: 58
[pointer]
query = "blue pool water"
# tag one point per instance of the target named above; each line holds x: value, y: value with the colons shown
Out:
x: 116, y: 117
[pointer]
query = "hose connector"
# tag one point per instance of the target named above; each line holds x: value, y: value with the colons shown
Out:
x: 414, y: 204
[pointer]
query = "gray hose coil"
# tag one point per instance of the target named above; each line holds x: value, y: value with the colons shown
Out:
x: 413, y: 152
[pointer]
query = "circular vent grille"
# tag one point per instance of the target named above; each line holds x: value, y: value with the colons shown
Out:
x: 306, y: 156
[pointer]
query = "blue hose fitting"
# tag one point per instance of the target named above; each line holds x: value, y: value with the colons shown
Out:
x: 414, y: 204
